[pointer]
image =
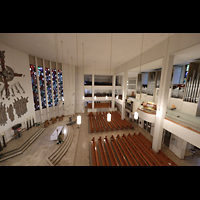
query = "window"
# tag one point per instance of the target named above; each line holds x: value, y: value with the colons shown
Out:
x: 55, y: 91
x: 34, y: 87
x: 42, y: 87
x: 60, y: 83
x: 48, y: 84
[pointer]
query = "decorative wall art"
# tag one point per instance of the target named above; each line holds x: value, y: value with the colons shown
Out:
x: 3, y: 116
x: 20, y: 106
x: 11, y: 112
x: 6, y: 75
x: 10, y: 91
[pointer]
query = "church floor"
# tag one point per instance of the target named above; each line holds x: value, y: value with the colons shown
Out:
x: 78, y: 153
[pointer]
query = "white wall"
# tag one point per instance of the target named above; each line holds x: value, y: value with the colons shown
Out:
x: 79, y: 90
x: 69, y: 89
x: 19, y: 62
x: 182, y: 132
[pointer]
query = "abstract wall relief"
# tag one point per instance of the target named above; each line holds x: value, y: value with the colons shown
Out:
x: 7, y: 75
x: 20, y: 106
x: 11, y: 112
x: 3, y: 116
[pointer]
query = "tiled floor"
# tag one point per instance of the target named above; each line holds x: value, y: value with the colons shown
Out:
x: 78, y: 153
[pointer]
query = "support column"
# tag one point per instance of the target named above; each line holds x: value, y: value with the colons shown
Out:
x: 162, y: 101
x: 124, y: 93
x: 92, y: 91
x: 113, y: 92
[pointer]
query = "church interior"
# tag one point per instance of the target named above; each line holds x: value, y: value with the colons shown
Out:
x: 100, y: 99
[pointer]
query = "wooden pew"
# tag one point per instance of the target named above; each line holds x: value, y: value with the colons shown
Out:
x: 95, y: 124
x: 104, y: 158
x: 91, y: 124
x: 153, y: 155
x: 117, y: 121
x: 104, y: 122
x: 146, y: 156
x: 119, y: 152
x: 99, y: 122
x: 128, y: 155
x: 168, y: 161
x: 138, y: 157
x: 112, y: 157
x: 164, y: 158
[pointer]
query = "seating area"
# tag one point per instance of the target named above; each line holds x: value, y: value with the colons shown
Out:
x: 126, y: 150
x: 98, y: 122
x: 99, y: 105
x: 53, y: 120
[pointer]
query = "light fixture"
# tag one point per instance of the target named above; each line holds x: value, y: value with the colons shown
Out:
x: 136, y: 115
x: 108, y: 117
x: 106, y: 97
x: 95, y: 97
x: 78, y: 120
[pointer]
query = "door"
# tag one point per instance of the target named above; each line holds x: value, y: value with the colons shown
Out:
x: 167, y: 137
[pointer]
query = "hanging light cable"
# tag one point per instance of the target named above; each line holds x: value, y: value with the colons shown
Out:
x: 136, y: 113
x: 79, y: 116
x: 109, y: 114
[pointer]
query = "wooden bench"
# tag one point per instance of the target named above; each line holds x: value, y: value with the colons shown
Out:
x: 119, y: 152
x: 112, y: 157
x: 129, y: 156
x: 104, y: 158
x: 135, y: 153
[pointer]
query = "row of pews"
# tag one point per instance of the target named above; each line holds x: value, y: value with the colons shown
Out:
x: 130, y: 150
x: 98, y: 122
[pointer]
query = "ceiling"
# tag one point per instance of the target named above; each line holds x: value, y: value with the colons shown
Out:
x: 95, y: 46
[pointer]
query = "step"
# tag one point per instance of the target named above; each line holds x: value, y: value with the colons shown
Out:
x: 23, y: 147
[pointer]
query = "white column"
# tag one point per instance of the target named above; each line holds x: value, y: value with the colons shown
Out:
x: 162, y: 101
x: 124, y: 93
x: 92, y: 91
x: 113, y: 92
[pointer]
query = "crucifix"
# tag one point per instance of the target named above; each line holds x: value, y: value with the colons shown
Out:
x: 7, y: 74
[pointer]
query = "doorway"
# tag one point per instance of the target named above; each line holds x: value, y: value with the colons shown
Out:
x: 166, y: 136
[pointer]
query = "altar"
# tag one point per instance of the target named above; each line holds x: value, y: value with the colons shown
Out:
x: 57, y: 132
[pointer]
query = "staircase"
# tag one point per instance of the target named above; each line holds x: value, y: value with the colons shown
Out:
x: 22, y: 148
x: 54, y: 158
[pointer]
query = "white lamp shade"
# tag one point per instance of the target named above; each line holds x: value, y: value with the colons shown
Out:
x: 79, y: 120
x: 109, y: 117
x: 95, y: 97
x: 136, y: 115
x: 106, y: 97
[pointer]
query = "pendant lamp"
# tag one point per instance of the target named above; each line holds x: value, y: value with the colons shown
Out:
x: 78, y: 120
x: 109, y: 115
x: 136, y: 115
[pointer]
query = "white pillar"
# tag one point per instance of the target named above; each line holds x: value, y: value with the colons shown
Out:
x: 162, y: 101
x: 124, y: 93
x: 113, y: 92
x: 92, y: 91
